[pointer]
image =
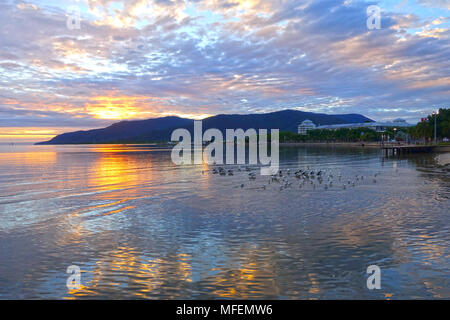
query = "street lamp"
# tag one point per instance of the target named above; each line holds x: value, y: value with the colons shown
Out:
x: 435, y: 114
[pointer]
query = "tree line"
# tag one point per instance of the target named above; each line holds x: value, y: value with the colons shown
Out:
x: 423, y: 130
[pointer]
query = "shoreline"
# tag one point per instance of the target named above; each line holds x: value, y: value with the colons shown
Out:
x: 371, y: 145
x: 355, y: 144
x: 332, y: 144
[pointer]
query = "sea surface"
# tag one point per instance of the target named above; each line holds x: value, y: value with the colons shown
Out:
x: 139, y: 226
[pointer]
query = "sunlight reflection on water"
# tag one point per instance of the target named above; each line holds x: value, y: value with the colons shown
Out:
x: 141, y: 227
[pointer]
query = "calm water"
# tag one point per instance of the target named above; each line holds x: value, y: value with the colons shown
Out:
x: 140, y: 227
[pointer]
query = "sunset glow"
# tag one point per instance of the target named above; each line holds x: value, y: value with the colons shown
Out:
x: 113, y: 108
x: 27, y: 134
x: 263, y: 153
x: 143, y: 59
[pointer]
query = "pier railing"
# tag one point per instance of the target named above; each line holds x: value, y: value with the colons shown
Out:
x: 399, y: 149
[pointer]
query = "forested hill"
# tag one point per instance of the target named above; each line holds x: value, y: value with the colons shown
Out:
x: 160, y: 129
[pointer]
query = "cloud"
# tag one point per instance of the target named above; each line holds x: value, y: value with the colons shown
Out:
x: 207, y: 57
x: 445, y: 4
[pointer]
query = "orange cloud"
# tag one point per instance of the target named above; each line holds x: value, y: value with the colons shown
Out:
x: 27, y: 134
x: 114, y: 107
x: 122, y: 107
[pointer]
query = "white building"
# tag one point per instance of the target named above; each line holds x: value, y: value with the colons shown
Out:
x: 305, y: 126
x: 377, y: 126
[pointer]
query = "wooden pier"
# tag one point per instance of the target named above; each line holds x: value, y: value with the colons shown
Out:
x: 406, y: 149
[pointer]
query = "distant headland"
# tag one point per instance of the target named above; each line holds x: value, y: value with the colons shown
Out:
x: 160, y: 129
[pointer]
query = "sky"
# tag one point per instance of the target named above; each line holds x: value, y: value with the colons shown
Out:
x: 76, y: 65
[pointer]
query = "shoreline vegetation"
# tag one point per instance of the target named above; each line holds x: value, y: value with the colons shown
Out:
x: 422, y: 133
x: 360, y: 144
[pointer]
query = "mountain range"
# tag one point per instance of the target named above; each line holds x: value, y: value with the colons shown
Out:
x: 160, y: 129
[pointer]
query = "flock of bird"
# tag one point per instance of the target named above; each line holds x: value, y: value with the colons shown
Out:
x: 306, y: 178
